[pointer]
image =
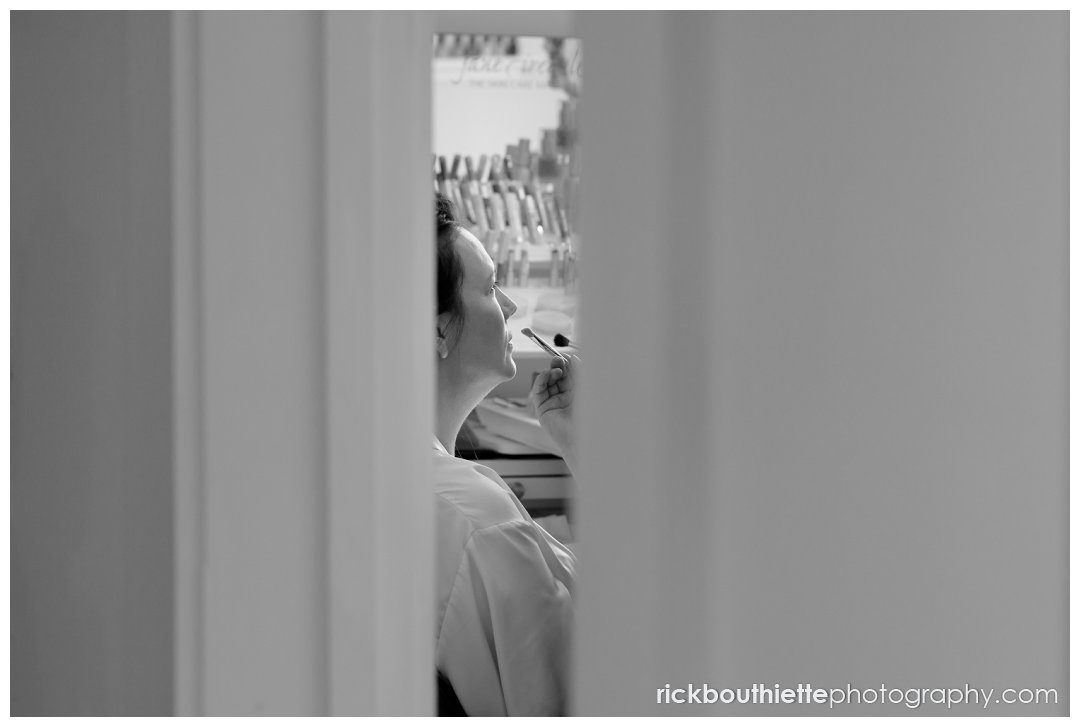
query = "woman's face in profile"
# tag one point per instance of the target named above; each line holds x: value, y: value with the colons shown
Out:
x: 482, y: 351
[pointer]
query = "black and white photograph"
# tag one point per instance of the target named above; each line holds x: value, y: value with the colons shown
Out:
x: 502, y: 363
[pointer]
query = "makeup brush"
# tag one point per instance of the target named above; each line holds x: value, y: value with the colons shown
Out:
x: 542, y: 343
x: 563, y: 342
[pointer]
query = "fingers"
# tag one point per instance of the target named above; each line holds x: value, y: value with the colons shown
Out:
x: 558, y: 401
x: 549, y: 378
x: 553, y: 388
x: 541, y: 382
x: 557, y: 382
x: 549, y: 398
x: 569, y: 366
x: 567, y: 361
x: 542, y: 389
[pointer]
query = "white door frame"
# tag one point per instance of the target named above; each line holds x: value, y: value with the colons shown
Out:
x: 374, y: 371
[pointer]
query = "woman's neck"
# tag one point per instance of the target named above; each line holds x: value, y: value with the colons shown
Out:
x: 452, y: 406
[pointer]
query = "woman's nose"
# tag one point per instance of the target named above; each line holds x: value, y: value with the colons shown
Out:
x: 509, y: 306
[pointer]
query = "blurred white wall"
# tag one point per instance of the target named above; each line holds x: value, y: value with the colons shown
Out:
x: 472, y: 115
x: 259, y: 190
x: 825, y: 401
x: 307, y: 510
x: 91, y: 387
x: 479, y: 121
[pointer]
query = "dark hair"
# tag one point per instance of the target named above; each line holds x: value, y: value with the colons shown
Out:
x: 450, y: 270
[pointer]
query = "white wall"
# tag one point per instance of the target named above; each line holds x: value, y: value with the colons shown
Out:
x: 305, y: 524
x: 91, y: 486
x: 260, y: 202
x: 829, y: 441
x: 478, y: 118
x: 483, y: 120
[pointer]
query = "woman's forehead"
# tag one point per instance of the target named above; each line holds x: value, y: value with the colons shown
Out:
x: 474, y: 258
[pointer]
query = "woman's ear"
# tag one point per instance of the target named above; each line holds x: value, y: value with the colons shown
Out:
x: 442, y: 346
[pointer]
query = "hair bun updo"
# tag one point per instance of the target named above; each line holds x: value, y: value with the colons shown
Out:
x: 449, y: 270
x: 445, y: 214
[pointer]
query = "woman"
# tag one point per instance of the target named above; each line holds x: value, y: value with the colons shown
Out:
x: 504, y: 584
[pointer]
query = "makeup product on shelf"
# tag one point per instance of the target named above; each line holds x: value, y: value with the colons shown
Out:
x: 548, y: 143
x: 481, y: 211
x: 520, y: 255
x: 524, y: 266
x: 566, y: 250
x: 506, y: 260
x: 480, y: 215
x: 498, y: 211
x: 499, y: 258
x: 471, y: 191
x: 555, y: 272
x: 517, y: 213
x: 470, y: 206
x: 518, y: 188
x: 455, y: 194
x: 484, y: 189
x: 547, y: 168
x: 535, y: 191
x: 523, y: 158
x: 558, y: 257
x: 532, y: 219
x: 552, y: 225
x: 499, y: 236
x: 560, y: 210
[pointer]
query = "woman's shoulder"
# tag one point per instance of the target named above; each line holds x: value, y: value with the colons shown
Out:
x: 472, y: 493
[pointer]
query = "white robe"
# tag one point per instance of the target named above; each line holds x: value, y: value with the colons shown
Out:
x: 505, y: 596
